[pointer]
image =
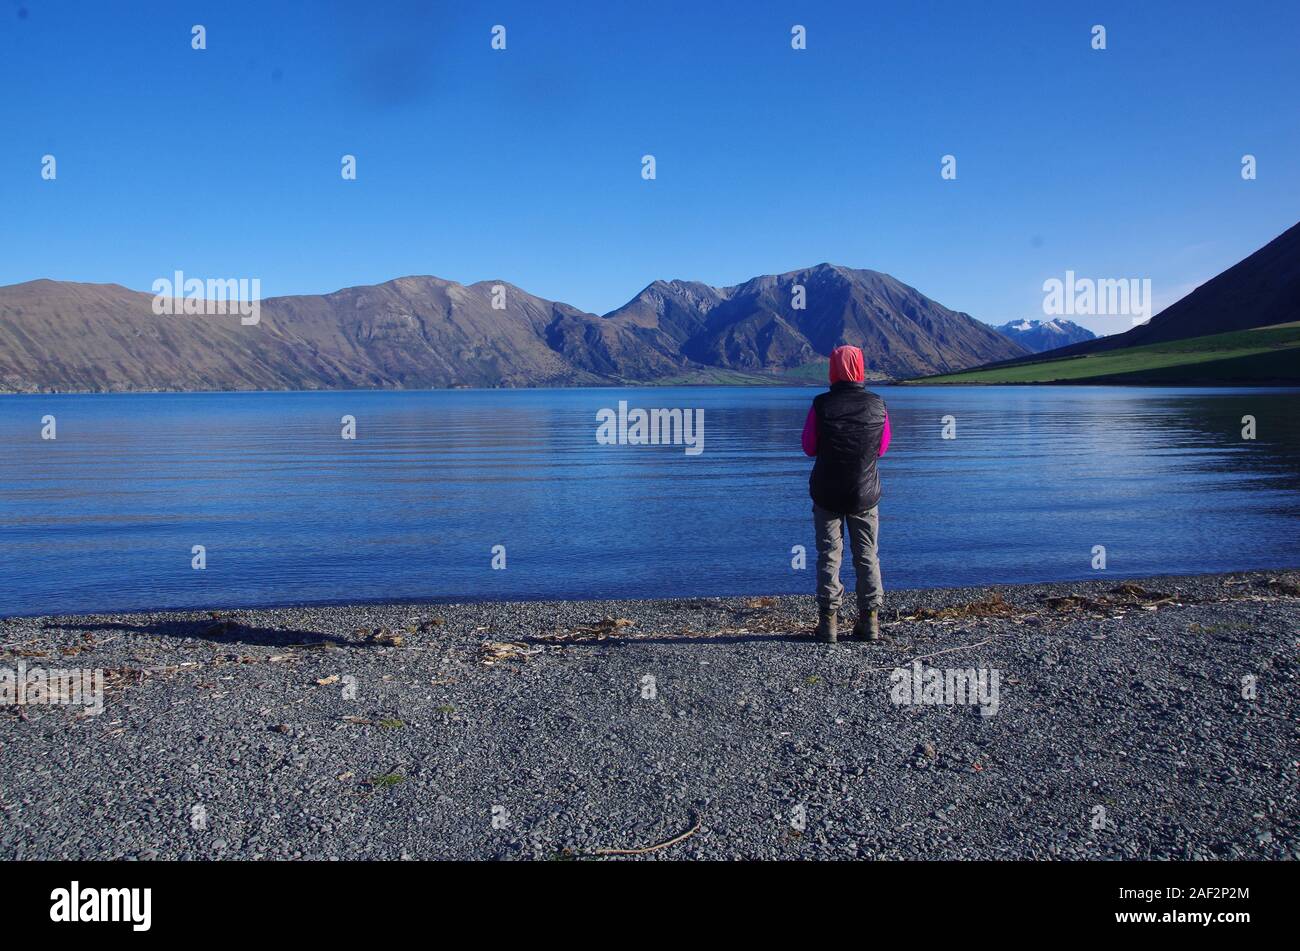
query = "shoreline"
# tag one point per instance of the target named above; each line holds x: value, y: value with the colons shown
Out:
x: 1285, y: 384
x: 529, y: 730
x: 451, y: 601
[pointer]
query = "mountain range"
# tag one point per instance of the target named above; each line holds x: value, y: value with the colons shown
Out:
x: 425, y: 332
x: 1038, y: 336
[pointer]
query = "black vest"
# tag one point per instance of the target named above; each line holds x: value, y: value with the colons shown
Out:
x: 850, y: 421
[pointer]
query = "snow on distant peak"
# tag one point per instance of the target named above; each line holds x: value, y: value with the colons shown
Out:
x: 1041, y: 335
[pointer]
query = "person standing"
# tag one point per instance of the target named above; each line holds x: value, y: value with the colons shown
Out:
x: 847, y: 431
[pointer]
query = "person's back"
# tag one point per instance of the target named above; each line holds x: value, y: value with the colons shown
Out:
x: 847, y: 430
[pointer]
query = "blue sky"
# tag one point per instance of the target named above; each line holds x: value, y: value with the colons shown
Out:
x: 524, y: 165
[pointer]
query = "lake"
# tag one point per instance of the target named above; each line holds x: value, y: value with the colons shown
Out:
x: 106, y: 516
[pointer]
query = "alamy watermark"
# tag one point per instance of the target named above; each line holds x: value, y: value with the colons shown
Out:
x: 181, y: 295
x: 1106, y: 297
x: 946, y: 686
x: 75, y: 903
x: 75, y: 686
x: 654, y: 427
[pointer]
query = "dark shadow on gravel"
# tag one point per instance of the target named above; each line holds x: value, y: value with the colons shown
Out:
x: 220, y: 632
x: 671, y: 639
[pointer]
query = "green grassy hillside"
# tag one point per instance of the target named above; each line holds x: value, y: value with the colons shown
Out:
x: 1259, y: 356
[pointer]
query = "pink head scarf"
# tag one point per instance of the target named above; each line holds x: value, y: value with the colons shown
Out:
x: 846, y: 364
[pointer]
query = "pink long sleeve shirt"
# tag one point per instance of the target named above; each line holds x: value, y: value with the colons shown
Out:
x: 810, y: 434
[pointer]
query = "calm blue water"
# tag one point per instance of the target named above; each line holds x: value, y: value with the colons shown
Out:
x: 104, y: 517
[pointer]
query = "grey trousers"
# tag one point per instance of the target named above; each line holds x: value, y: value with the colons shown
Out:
x: 863, y: 532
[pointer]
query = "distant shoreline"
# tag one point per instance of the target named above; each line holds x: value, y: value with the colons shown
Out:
x: 1207, y: 384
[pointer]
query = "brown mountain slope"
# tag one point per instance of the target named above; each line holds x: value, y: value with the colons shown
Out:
x: 417, y: 332
x: 413, y: 332
x: 98, y: 337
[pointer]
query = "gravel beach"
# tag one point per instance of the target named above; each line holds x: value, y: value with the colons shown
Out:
x: 1149, y: 718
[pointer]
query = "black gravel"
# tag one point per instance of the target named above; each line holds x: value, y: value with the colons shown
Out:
x: 217, y: 741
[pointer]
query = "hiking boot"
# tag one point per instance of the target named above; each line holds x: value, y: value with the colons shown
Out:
x: 827, y: 627
x: 868, y: 626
